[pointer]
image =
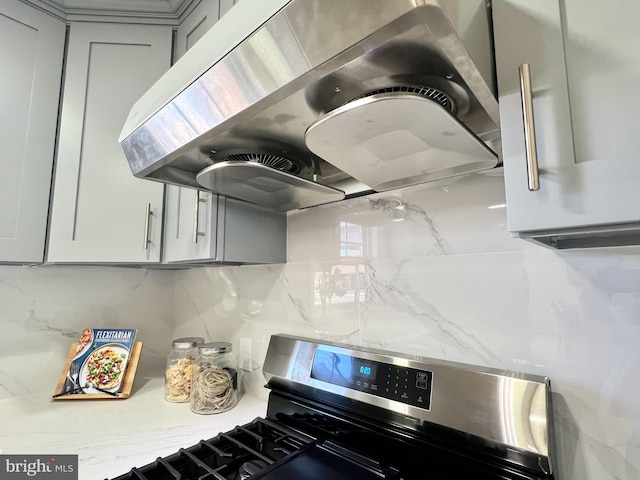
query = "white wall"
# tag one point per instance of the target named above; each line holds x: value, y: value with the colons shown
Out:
x: 449, y: 282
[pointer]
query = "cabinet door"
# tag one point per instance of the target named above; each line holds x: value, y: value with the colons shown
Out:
x: 201, y: 19
x: 31, y: 52
x: 225, y: 6
x: 585, y: 66
x: 101, y: 213
x: 191, y: 222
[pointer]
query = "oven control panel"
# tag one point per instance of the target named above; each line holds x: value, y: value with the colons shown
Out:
x: 394, y: 382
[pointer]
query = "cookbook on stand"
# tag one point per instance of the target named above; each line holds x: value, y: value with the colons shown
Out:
x: 99, y: 363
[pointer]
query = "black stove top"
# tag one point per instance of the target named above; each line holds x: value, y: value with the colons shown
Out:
x: 236, y: 454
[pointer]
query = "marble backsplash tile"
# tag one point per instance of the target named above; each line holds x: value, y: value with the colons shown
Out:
x: 447, y: 281
x: 44, y: 309
x: 450, y: 217
x: 560, y: 321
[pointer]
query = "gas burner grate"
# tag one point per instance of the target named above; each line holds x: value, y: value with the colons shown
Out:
x: 253, y: 446
x: 433, y: 94
x: 276, y: 162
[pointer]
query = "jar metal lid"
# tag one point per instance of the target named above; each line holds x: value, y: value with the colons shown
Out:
x: 215, y: 347
x: 187, y: 342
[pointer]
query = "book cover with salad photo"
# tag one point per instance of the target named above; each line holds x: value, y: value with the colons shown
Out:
x: 100, y: 360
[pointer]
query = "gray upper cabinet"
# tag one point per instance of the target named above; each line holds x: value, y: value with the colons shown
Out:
x: 200, y: 19
x: 201, y: 227
x: 31, y: 52
x: 585, y: 71
x: 226, y: 230
x: 101, y: 213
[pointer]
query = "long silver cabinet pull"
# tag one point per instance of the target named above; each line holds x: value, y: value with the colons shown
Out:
x: 196, y: 215
x: 526, y: 95
x: 147, y: 224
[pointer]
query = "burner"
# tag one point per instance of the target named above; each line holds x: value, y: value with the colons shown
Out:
x: 249, y: 469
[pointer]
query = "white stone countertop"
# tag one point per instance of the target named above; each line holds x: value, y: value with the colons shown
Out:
x: 112, y: 436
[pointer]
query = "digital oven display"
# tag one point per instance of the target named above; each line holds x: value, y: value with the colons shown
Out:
x: 395, y: 382
x: 365, y: 370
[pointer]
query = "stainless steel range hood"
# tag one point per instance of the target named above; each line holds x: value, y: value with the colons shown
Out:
x: 294, y: 103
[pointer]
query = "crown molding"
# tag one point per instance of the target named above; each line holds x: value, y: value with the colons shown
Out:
x: 165, y: 7
x: 140, y: 11
x: 50, y: 8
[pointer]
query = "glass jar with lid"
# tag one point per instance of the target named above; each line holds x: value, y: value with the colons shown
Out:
x: 177, y: 378
x: 214, y: 387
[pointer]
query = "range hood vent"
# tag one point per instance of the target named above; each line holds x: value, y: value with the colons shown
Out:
x: 295, y: 103
x: 395, y: 139
x: 268, y: 160
x: 427, y: 92
x: 262, y: 185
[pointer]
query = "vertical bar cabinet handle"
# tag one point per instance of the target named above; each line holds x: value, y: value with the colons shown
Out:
x: 526, y: 95
x: 147, y: 224
x: 196, y: 215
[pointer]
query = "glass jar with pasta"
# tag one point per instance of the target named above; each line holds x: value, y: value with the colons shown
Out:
x: 177, y: 379
x: 214, y: 387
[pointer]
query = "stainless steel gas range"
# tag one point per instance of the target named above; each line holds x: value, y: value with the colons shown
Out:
x: 338, y: 411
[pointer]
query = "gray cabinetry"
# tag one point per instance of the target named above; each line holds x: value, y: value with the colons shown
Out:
x: 200, y: 19
x: 585, y: 66
x: 226, y: 231
x: 100, y: 212
x: 31, y: 52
